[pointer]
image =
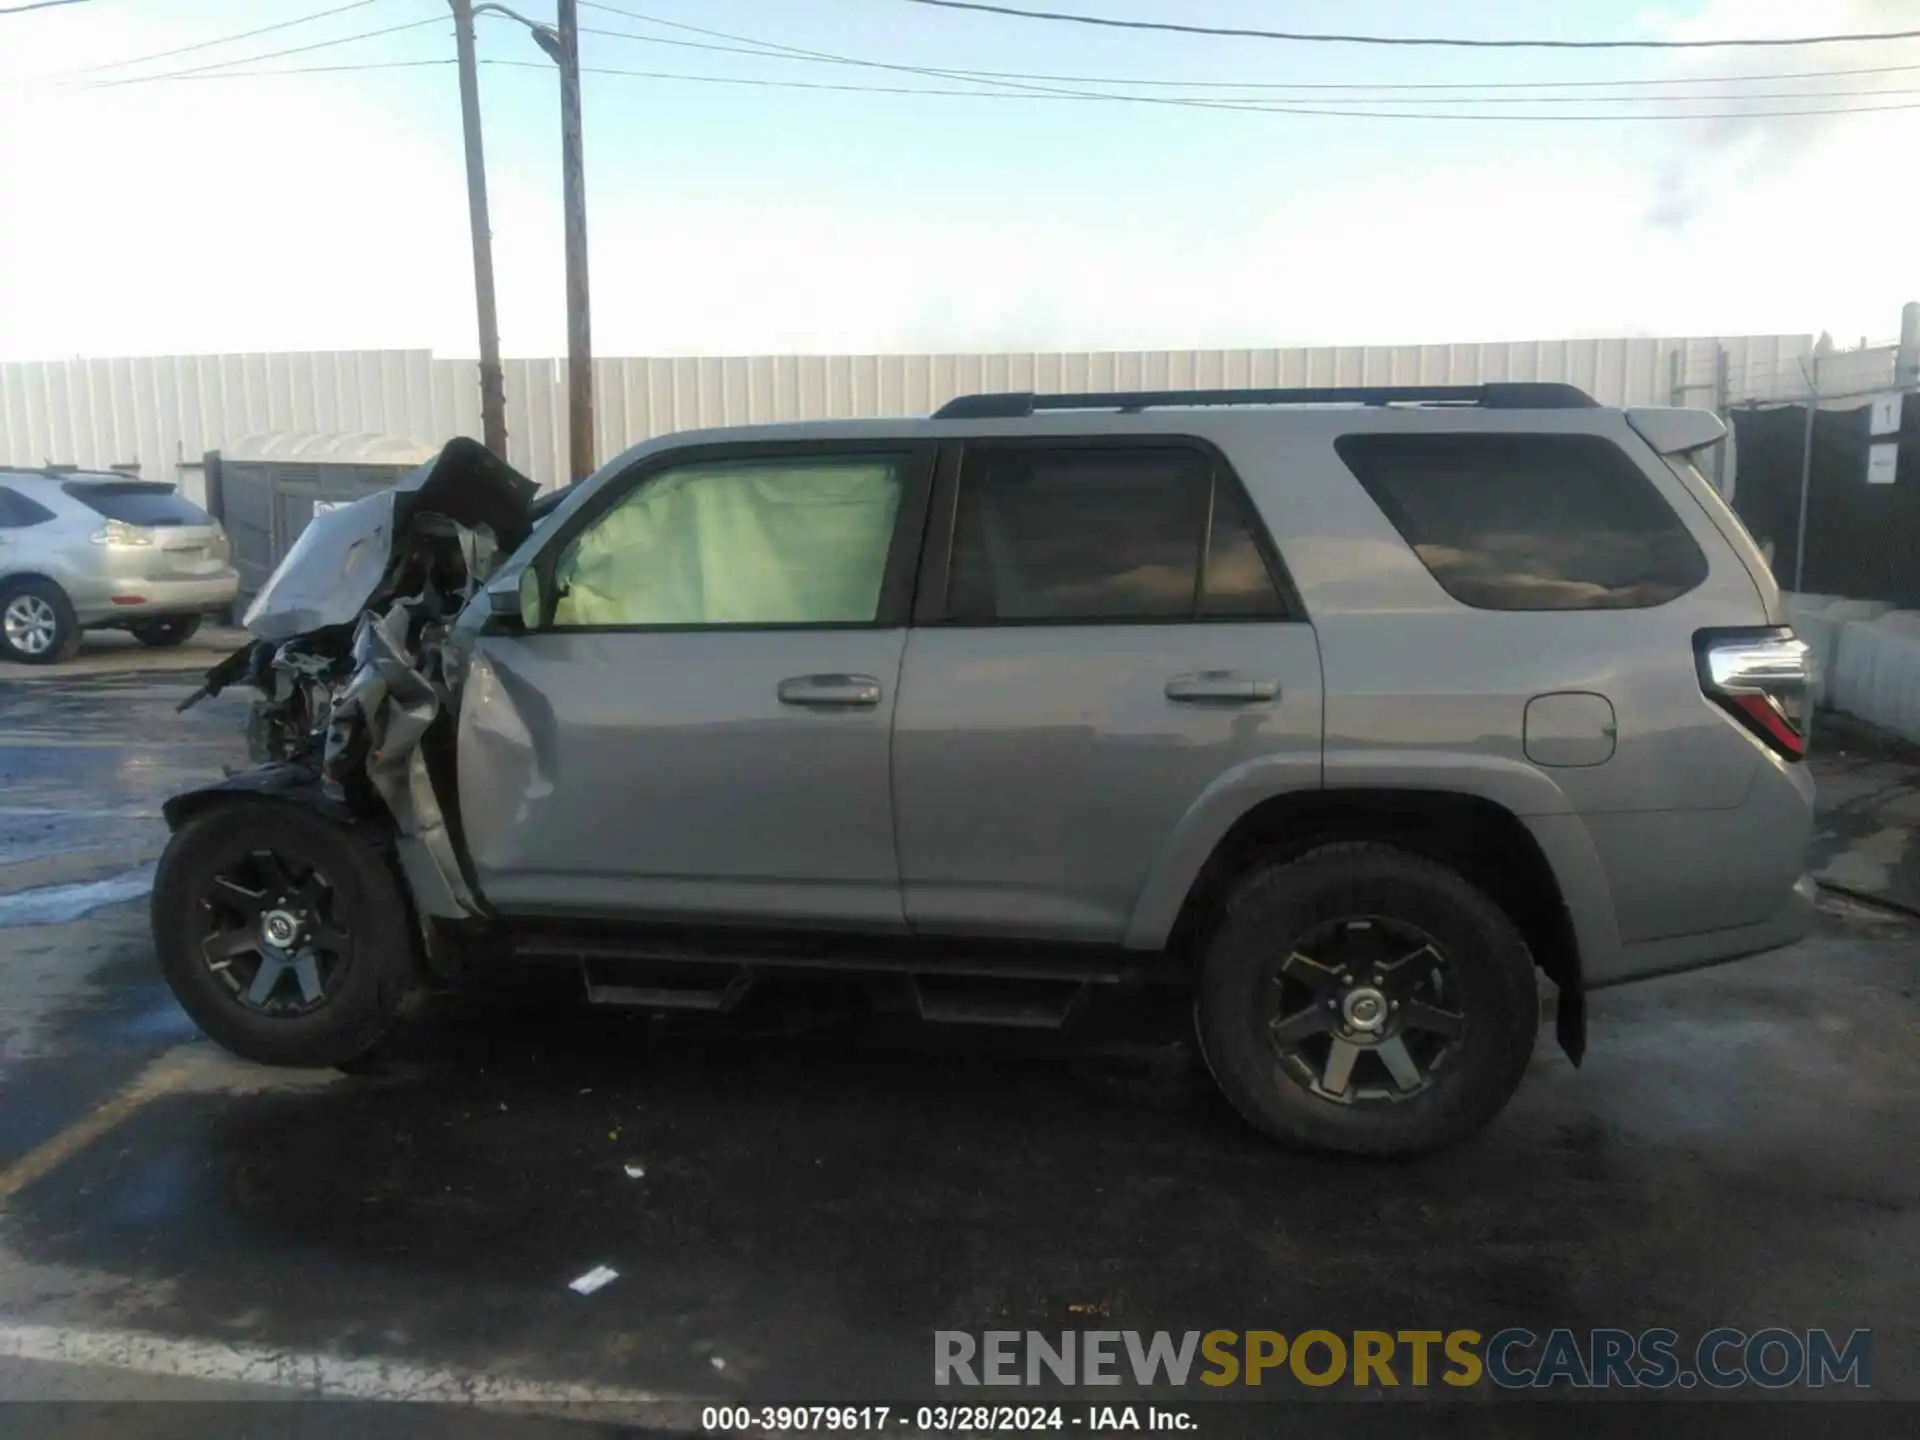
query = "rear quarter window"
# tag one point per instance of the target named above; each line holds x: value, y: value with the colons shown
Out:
x: 137, y: 502
x: 17, y: 512
x: 1529, y: 522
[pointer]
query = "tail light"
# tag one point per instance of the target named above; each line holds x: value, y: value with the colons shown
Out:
x: 1760, y: 677
x: 118, y: 533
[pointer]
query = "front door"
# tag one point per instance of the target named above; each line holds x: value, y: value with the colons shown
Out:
x: 700, y: 726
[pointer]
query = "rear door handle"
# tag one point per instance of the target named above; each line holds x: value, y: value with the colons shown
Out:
x: 1222, y: 685
x: 860, y: 692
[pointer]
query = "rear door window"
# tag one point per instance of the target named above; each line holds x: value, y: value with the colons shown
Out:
x: 1529, y: 522
x: 136, y: 502
x: 1109, y: 534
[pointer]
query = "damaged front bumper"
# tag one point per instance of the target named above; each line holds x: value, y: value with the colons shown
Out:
x: 353, y: 660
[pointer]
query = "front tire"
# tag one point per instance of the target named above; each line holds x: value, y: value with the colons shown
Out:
x: 37, y: 623
x: 1366, y: 1000
x: 286, y: 936
x: 164, y: 634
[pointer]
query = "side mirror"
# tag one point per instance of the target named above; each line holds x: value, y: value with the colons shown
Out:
x: 532, y: 607
x: 518, y: 608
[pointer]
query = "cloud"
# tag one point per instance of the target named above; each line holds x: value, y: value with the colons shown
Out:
x: 1753, y: 146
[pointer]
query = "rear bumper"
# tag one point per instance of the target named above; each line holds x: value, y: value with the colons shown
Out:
x: 156, y: 597
x: 1677, y: 953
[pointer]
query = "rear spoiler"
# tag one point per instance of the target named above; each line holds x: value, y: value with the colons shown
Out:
x: 1675, y: 431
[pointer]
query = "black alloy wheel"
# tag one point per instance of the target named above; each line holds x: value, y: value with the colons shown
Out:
x: 273, y: 934
x: 1364, y: 1011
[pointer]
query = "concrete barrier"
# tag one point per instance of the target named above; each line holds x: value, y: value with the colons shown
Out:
x: 1876, y: 670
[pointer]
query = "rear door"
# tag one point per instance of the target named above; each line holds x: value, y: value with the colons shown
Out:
x: 699, y: 728
x: 1102, y: 632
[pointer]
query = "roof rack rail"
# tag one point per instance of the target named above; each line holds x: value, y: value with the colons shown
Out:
x: 1499, y: 395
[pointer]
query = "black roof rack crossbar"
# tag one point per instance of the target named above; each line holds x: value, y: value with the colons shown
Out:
x: 1499, y: 395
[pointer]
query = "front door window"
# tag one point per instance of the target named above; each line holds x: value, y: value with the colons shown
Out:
x: 738, y: 543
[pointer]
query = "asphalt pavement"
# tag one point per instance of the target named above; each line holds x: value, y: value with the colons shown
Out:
x: 794, y: 1199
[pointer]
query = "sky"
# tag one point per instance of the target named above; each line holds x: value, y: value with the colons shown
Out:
x: 216, y: 213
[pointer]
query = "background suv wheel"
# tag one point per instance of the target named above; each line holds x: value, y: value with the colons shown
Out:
x: 172, y: 630
x: 1367, y: 1000
x: 37, y: 623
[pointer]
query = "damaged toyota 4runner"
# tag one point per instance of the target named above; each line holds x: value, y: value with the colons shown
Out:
x: 1341, y: 714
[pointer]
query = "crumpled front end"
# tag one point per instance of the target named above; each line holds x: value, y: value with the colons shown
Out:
x: 352, y: 654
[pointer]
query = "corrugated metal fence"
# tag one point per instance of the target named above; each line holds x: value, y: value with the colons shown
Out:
x: 164, y: 412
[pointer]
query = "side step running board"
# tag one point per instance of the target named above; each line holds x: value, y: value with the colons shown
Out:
x: 612, y: 995
x: 1028, y: 1005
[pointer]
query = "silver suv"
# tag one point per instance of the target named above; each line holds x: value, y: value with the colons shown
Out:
x: 1340, y: 712
x: 95, y: 551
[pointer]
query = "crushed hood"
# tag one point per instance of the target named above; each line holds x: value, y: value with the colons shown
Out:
x: 345, y: 557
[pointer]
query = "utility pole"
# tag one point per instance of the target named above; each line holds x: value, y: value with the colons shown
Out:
x: 562, y: 45
x: 493, y: 387
x: 565, y: 49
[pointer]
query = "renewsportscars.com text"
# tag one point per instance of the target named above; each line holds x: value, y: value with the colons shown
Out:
x: 1724, y: 1358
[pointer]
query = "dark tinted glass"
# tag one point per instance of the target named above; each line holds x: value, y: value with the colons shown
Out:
x: 17, y: 511
x: 137, y: 502
x: 1529, y: 522
x: 1078, y: 535
x: 1238, y: 581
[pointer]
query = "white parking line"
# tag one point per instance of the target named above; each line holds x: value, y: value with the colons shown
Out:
x: 312, y: 1373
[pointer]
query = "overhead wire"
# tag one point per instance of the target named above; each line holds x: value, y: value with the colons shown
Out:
x: 219, y: 65
x: 764, y: 50
x: 1449, y: 41
x: 1424, y: 98
x: 1196, y: 102
x: 1011, y: 85
x: 225, y: 39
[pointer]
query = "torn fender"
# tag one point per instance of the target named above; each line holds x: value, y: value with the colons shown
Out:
x: 377, y: 728
x: 301, y: 783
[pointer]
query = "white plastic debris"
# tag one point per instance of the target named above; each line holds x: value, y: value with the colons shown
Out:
x: 595, y: 1279
x: 634, y: 1170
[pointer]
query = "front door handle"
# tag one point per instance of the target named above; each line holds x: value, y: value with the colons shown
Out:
x: 831, y: 691
x: 1222, y: 685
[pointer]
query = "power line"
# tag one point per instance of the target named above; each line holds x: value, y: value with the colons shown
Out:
x: 1192, y: 102
x: 1455, y: 42
x: 269, y: 55
x: 224, y: 39
x: 769, y: 52
x: 34, y: 5
x: 764, y: 50
x: 300, y: 70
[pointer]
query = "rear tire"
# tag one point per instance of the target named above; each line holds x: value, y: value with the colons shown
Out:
x: 37, y: 623
x: 164, y: 634
x: 232, y: 874
x: 1458, y: 1006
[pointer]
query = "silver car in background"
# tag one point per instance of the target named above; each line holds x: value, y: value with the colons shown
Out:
x: 92, y: 551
